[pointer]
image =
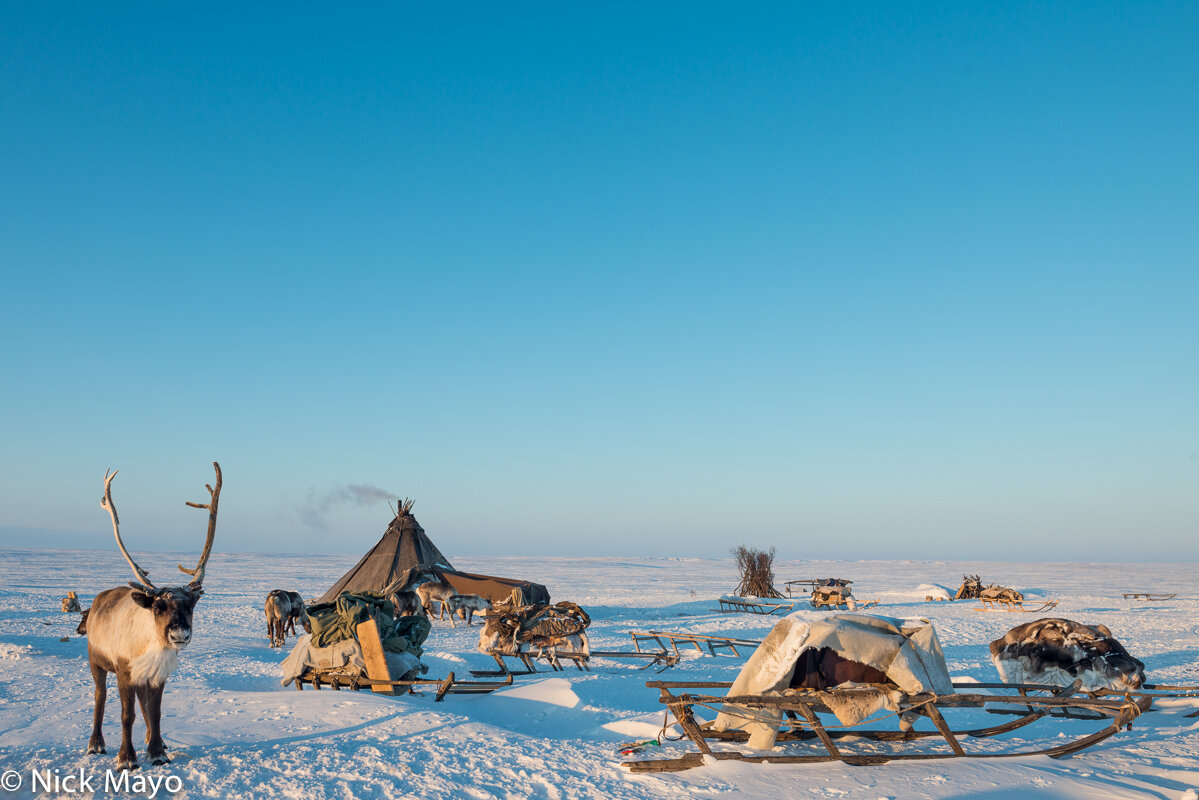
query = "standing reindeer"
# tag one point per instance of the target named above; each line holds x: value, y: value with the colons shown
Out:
x: 283, y: 608
x: 137, y: 631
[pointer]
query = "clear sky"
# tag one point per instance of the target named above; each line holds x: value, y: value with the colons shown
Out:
x: 852, y: 280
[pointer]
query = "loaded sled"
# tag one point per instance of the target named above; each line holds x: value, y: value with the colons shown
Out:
x: 885, y: 683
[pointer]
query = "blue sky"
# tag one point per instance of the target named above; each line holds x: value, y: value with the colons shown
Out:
x: 886, y: 280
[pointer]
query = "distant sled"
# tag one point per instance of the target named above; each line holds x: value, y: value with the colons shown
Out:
x: 999, y: 604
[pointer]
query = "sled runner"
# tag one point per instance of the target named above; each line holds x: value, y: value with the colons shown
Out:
x: 1155, y: 597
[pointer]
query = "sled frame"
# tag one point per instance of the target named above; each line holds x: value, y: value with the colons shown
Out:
x: 729, y: 605
x: 697, y: 640
x: 1015, y: 606
x: 447, y: 685
x: 801, y: 706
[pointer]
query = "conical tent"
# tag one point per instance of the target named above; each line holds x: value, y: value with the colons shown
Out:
x: 404, y: 545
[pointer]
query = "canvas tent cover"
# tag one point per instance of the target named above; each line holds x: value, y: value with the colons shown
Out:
x: 488, y: 586
x: 406, y: 556
x: 907, y: 651
x: 404, y: 545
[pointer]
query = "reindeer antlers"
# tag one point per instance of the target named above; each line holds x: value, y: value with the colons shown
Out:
x: 143, y: 577
x: 108, y: 505
x: 215, y: 495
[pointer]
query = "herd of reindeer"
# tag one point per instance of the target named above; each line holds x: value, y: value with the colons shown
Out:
x: 136, y: 631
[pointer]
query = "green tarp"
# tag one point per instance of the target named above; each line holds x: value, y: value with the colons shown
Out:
x: 338, y: 620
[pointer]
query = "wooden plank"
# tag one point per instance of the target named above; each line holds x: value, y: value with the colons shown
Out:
x: 372, y: 654
x: 818, y: 729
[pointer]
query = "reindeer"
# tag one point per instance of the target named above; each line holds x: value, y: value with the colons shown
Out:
x: 466, y: 605
x: 298, y: 612
x: 435, y: 590
x: 283, y: 608
x: 407, y: 604
x: 136, y: 632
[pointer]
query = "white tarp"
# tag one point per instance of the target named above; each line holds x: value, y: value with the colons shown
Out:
x: 907, y: 651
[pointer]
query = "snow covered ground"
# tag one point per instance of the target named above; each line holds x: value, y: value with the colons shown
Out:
x: 234, y: 732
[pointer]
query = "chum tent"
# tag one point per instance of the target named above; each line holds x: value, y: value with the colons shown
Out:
x: 405, y: 547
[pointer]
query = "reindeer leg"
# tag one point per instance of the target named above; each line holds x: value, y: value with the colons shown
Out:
x: 96, y: 743
x: 126, y: 756
x: 140, y: 693
x: 151, y: 700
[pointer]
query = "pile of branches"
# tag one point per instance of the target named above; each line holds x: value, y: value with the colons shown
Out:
x: 757, y: 572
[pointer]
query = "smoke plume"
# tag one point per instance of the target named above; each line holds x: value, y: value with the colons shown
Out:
x: 315, y: 509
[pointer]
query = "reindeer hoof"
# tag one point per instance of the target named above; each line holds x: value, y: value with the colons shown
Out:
x: 159, y: 759
x: 95, y: 747
x: 124, y: 764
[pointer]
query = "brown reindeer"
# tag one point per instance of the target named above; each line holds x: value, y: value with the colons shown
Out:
x: 136, y: 632
x: 282, y: 609
x: 406, y: 604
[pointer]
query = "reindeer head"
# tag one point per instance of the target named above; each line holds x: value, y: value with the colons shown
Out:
x: 172, y: 609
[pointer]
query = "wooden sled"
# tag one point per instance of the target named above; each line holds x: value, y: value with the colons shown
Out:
x: 991, y: 604
x: 448, y: 685
x: 581, y: 661
x: 846, y: 605
x: 802, y: 706
x: 1154, y: 597
x: 729, y: 605
x: 378, y: 676
x: 698, y: 640
x: 812, y: 583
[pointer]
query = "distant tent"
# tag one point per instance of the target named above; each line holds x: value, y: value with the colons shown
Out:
x: 404, y: 545
x: 405, y: 556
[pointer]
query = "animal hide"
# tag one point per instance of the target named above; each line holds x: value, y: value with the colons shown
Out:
x: 906, y: 652
x: 1060, y: 651
x: 528, y: 629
